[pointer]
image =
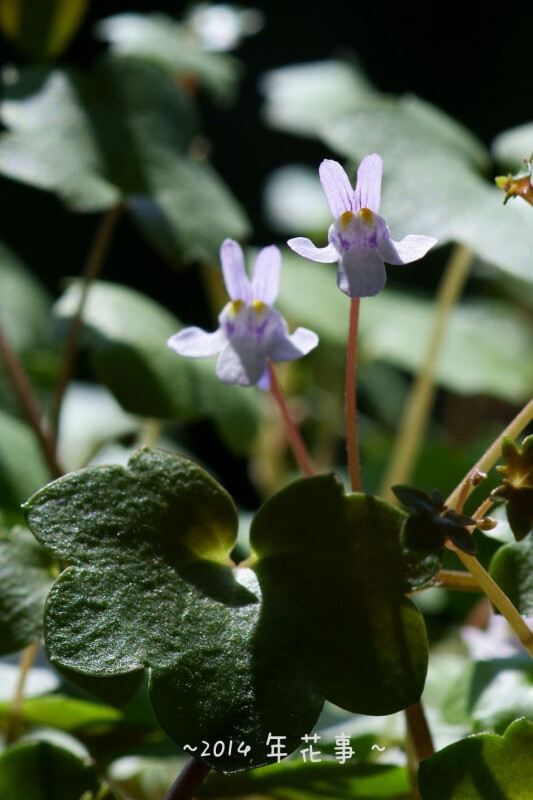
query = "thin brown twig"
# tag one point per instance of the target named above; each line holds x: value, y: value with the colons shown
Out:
x: 26, y: 663
x: 28, y: 402
x: 189, y: 780
x: 92, y: 269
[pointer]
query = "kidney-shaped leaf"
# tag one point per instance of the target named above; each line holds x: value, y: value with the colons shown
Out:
x: 236, y: 655
x: 25, y: 578
x: 126, y: 334
x: 121, y: 133
x: 482, y: 767
x: 512, y: 569
x: 41, y: 770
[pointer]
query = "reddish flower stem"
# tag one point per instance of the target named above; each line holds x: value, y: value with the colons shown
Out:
x: 352, y: 446
x: 28, y: 402
x: 189, y: 780
x: 293, y: 434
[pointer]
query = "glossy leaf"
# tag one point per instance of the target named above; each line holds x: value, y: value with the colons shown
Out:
x: 24, y: 302
x: 23, y: 469
x: 482, y: 766
x: 234, y: 654
x: 160, y: 39
x: 513, y: 146
x: 512, y: 568
x: 122, y: 133
x: 65, y: 713
x: 307, y: 98
x: 486, y: 351
x: 126, y: 334
x: 25, y: 578
x: 41, y: 770
x: 42, y: 28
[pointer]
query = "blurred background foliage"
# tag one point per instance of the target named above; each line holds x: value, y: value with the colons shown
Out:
x: 118, y: 107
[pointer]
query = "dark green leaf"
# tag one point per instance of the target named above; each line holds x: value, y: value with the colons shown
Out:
x: 41, y: 28
x: 23, y: 469
x: 512, y: 569
x: 158, y: 38
x: 235, y: 654
x: 24, y: 302
x: 123, y: 133
x: 126, y: 334
x: 299, y: 781
x: 25, y: 578
x: 44, y: 771
x: 482, y: 767
x: 64, y: 712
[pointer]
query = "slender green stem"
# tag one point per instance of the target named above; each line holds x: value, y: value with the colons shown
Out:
x: 27, y: 661
x: 293, y: 434
x: 497, y: 597
x: 352, y: 443
x: 420, y: 401
x: 189, y: 780
x: 459, y: 495
x: 452, y: 579
x: 28, y: 402
x: 93, y: 267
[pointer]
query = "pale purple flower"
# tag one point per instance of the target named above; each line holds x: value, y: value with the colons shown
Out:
x: 359, y: 239
x: 250, y: 331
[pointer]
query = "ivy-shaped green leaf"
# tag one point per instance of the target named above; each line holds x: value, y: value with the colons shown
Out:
x: 482, y: 767
x: 159, y: 38
x: 41, y: 770
x: 123, y: 133
x: 517, y: 487
x: 512, y: 569
x: 23, y: 469
x: 25, y: 578
x: 235, y: 654
x: 126, y: 334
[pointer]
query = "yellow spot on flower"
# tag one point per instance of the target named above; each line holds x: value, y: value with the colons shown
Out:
x: 236, y: 306
x: 367, y: 215
x: 258, y: 306
x: 346, y: 217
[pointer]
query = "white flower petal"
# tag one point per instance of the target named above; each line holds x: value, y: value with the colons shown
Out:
x: 337, y: 187
x: 267, y: 270
x: 411, y: 248
x: 306, y: 248
x: 196, y: 343
x: 234, y: 271
x: 368, y: 184
x: 361, y: 273
x: 243, y: 361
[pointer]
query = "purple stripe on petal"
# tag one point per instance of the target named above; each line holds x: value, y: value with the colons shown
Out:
x: 306, y: 248
x: 234, y: 270
x: 196, y: 343
x: 337, y: 187
x: 368, y: 185
x: 265, y: 280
